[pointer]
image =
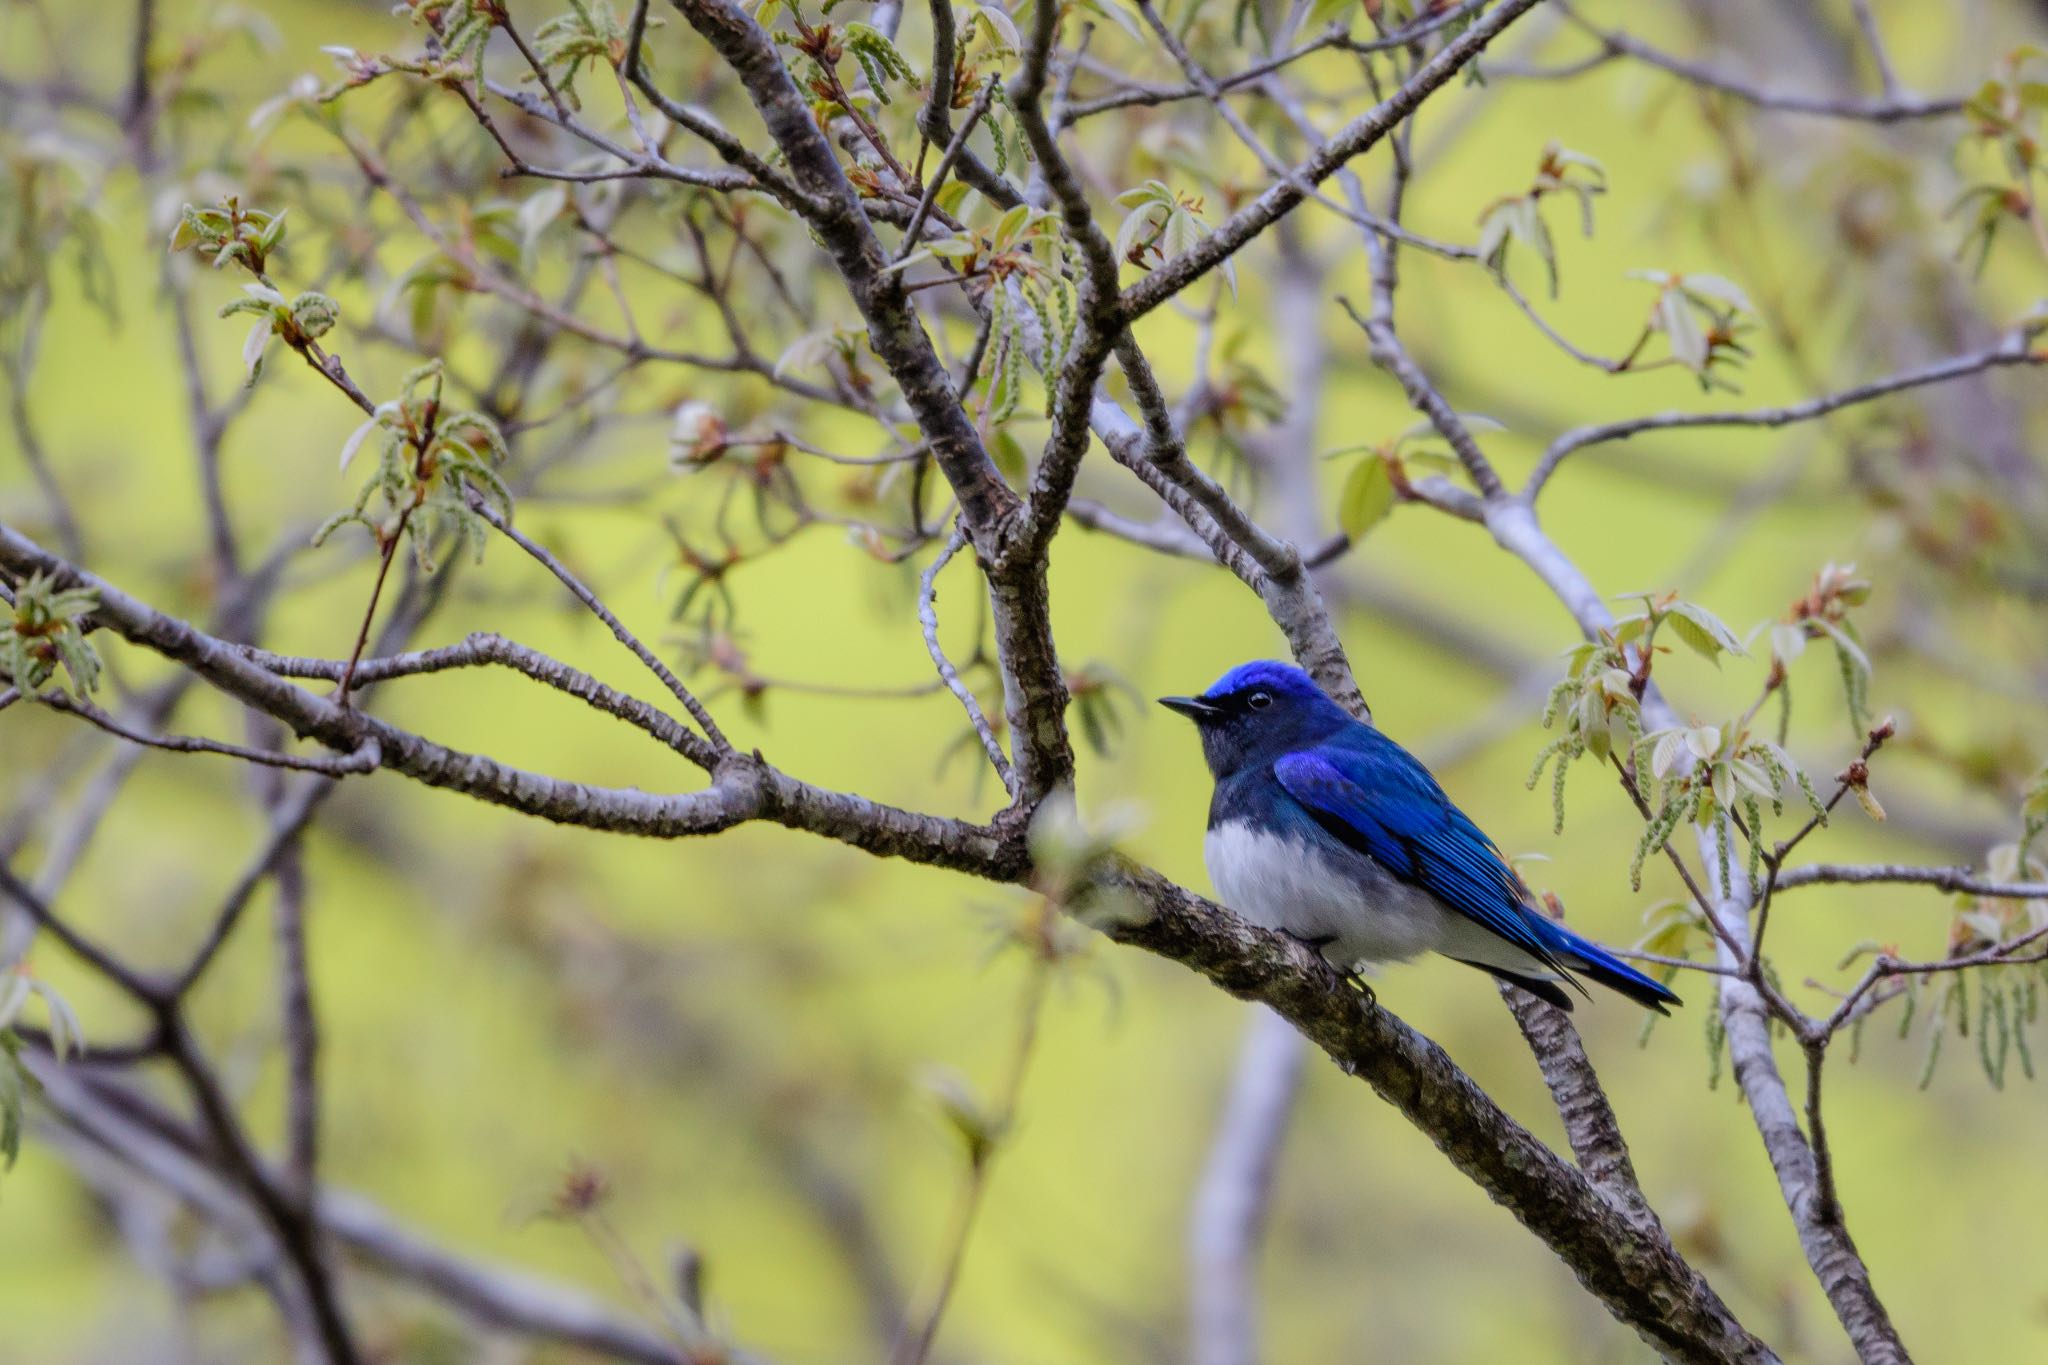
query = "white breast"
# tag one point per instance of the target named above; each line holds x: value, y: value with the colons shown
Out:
x: 1283, y: 883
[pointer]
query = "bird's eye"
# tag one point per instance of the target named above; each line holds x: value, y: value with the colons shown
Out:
x: 1259, y: 701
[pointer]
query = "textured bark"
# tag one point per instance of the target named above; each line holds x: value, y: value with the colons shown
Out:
x: 1589, y: 1122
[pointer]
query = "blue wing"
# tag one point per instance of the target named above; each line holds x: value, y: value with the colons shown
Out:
x: 1377, y: 798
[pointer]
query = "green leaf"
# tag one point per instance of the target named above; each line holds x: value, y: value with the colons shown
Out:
x: 1323, y: 12
x: 1151, y: 192
x: 1181, y: 233
x: 1493, y: 234
x: 1669, y: 748
x: 1140, y: 222
x: 1011, y: 223
x: 1702, y: 630
x: 1367, y: 498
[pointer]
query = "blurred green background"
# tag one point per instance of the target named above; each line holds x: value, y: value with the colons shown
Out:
x: 737, y: 1031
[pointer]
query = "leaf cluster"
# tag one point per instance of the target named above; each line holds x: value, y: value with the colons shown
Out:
x: 1161, y: 225
x: 2005, y: 118
x: 227, y: 233
x: 1713, y: 776
x: 47, y: 630
x: 429, y: 465
x: 1518, y: 218
x: 1702, y: 319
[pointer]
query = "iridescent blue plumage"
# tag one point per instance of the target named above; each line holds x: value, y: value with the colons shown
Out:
x: 1322, y: 826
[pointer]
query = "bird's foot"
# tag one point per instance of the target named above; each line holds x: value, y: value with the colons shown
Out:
x: 1350, y: 974
x: 1315, y: 944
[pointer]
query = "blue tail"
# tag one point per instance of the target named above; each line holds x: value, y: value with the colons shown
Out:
x: 1595, y: 963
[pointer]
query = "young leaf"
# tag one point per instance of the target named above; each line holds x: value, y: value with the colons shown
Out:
x: 1702, y: 630
x: 1368, y: 497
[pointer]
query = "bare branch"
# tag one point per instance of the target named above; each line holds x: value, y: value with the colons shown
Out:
x: 1227, y: 1223
x: 704, y: 756
x: 743, y: 788
x: 928, y: 618
x: 1959, y: 880
x: 1892, y: 108
x: 2016, y: 349
x: 361, y: 760
x: 913, y: 230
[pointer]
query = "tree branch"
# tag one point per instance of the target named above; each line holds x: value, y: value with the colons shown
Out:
x: 1893, y: 107
x: 1641, y: 1280
x: 2015, y: 349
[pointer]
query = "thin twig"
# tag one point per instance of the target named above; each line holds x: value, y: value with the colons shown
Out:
x: 719, y: 744
x: 928, y: 618
x: 361, y: 761
x: 2016, y: 349
x: 1892, y: 108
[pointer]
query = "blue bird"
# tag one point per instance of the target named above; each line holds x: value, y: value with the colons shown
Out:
x: 1325, y: 829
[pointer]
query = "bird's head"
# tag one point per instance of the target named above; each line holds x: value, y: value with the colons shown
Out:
x: 1257, y: 710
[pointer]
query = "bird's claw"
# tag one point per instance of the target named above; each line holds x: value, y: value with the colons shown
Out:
x: 1349, y: 974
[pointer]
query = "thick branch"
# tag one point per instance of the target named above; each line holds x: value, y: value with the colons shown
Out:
x: 1582, y: 1105
x: 743, y: 788
x: 1641, y: 1279
x: 834, y: 211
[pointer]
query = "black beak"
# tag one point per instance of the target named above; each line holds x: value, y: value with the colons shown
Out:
x: 1194, y: 708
